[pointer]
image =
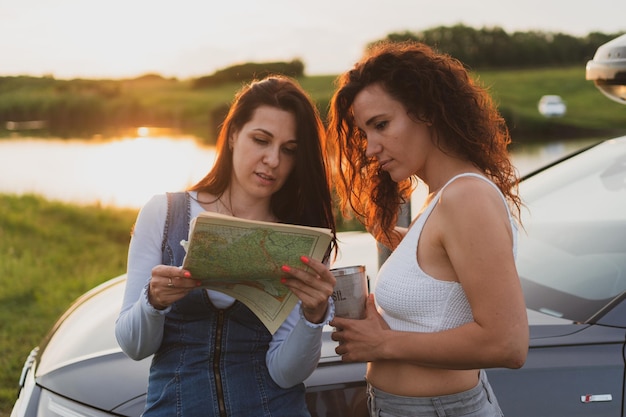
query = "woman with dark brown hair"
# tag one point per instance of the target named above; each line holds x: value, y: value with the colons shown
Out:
x: 212, y: 355
x: 447, y: 303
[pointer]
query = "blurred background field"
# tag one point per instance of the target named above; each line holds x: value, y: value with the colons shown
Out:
x: 87, y: 108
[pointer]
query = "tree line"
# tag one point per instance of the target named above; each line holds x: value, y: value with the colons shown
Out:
x: 494, y: 48
x: 249, y: 71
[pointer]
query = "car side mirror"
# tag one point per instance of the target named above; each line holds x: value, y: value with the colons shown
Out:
x: 607, y: 69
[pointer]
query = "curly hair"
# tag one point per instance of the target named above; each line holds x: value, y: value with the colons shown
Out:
x: 435, y: 88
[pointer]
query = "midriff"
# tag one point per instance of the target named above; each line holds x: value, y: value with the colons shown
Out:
x: 405, y: 379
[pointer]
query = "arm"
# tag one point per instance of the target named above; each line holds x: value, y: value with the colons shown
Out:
x: 295, y: 348
x: 477, y: 238
x: 139, y: 326
x: 472, y: 240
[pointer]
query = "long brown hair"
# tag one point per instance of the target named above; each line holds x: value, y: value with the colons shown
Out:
x: 434, y: 88
x: 305, y: 198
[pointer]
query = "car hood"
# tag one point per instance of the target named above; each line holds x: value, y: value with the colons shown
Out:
x: 80, y: 358
x: 106, y: 381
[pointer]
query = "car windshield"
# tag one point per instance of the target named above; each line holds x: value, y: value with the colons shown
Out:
x: 572, y: 243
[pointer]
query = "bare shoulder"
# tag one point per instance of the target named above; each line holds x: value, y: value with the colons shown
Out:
x: 473, y: 214
x: 472, y: 195
x: 469, y: 187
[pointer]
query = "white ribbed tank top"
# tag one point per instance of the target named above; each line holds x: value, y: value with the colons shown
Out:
x: 411, y: 300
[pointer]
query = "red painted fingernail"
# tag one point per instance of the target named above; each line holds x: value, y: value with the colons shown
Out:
x: 187, y: 274
x: 304, y: 259
x: 285, y: 268
x: 198, y: 283
x: 283, y: 280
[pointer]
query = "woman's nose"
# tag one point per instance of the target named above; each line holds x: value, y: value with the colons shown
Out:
x: 271, y: 157
x: 372, y: 148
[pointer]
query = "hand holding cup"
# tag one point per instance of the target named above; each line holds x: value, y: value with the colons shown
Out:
x: 350, y: 292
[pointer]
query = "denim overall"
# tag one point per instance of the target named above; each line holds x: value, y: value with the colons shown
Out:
x: 211, y: 361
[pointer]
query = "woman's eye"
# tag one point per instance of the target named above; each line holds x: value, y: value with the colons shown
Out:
x: 260, y: 141
x: 290, y: 151
x: 381, y: 125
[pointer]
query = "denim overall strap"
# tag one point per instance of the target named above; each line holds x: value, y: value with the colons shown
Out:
x: 176, y: 228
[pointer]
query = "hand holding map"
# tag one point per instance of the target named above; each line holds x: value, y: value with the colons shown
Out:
x: 243, y: 258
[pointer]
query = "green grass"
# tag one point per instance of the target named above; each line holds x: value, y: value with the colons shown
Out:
x: 173, y: 103
x: 50, y: 253
x: 516, y: 92
x: 588, y: 111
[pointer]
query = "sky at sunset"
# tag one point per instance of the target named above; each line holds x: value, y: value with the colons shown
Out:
x: 189, y: 38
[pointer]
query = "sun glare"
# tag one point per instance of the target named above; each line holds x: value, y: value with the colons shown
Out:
x: 135, y: 169
x: 121, y: 173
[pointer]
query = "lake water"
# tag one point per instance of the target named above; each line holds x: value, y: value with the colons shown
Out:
x: 126, y: 172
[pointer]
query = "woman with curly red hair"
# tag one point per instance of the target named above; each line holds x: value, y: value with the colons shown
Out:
x: 447, y: 303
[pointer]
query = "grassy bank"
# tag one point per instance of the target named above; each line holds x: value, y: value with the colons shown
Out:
x: 102, y: 106
x: 589, y: 112
x: 50, y: 253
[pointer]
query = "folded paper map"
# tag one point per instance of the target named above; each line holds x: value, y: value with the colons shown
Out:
x: 243, y: 258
